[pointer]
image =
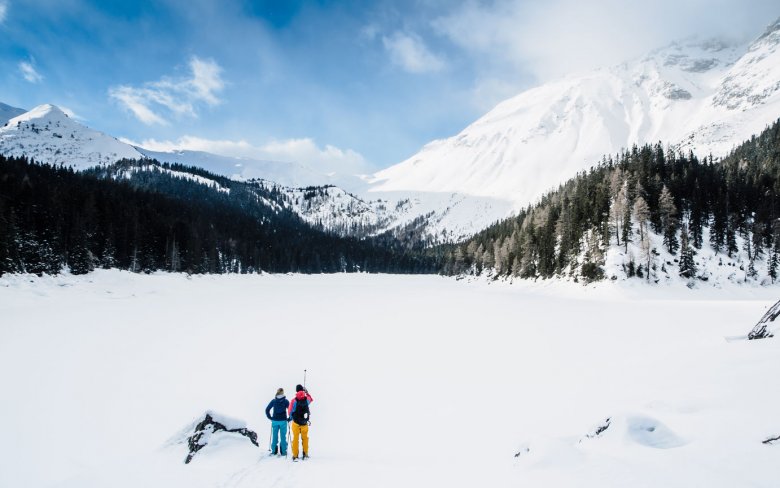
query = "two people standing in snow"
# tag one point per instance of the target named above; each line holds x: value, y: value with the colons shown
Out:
x: 285, y: 411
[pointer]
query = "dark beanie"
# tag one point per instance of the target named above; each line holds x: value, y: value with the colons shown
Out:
x: 298, y: 388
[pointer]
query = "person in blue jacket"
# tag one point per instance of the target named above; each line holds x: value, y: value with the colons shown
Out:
x: 278, y: 422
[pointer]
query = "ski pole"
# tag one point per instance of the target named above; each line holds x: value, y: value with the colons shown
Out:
x: 304, y: 379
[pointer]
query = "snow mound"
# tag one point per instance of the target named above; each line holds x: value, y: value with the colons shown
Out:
x: 650, y: 432
x: 211, y: 429
x: 614, y: 435
x: 639, y: 429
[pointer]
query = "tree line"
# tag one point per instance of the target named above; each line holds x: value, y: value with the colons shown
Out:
x: 54, y: 218
x: 622, y: 199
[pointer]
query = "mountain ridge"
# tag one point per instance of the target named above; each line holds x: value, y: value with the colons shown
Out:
x: 533, y: 141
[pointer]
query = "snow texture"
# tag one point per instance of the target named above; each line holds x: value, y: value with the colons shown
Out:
x: 81, y: 355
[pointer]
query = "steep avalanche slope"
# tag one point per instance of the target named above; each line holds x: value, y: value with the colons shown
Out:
x: 705, y: 96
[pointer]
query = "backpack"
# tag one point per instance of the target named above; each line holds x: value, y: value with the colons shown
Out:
x: 301, y: 413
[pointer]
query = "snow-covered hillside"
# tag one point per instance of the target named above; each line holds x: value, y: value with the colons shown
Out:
x: 102, y: 376
x: 48, y: 135
x: 437, y: 217
x: 284, y: 173
x: 704, y: 96
x: 8, y: 112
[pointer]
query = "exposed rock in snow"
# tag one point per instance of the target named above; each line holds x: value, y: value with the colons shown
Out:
x: 599, y: 429
x: 211, y: 424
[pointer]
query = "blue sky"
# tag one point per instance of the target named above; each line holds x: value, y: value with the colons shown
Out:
x: 342, y: 86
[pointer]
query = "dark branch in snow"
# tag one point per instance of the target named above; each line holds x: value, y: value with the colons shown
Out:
x: 206, y: 428
x: 771, y: 440
x: 523, y: 451
x: 599, y: 429
x: 761, y: 329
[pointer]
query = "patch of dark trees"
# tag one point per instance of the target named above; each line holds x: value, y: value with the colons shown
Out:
x: 119, y: 216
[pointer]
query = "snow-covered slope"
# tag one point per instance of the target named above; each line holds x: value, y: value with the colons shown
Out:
x: 435, y: 217
x: 282, y: 172
x: 706, y: 96
x: 48, y: 135
x: 8, y: 112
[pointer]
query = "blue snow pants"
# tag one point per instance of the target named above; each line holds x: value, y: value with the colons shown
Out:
x: 279, y: 430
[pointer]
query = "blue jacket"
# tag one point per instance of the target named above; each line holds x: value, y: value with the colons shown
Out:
x: 280, y: 409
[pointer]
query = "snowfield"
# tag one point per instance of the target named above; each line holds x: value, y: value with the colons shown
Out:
x: 417, y: 380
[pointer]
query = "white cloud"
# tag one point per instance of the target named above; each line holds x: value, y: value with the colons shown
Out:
x: 136, y: 102
x: 327, y: 159
x: 512, y: 39
x: 178, y: 96
x: 3, y: 10
x: 29, y: 72
x: 409, y: 52
x: 557, y: 37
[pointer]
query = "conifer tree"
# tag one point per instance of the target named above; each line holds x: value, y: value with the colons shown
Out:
x: 773, y: 263
x: 668, y: 213
x: 687, y: 263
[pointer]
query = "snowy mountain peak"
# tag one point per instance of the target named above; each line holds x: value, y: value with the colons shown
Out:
x: 702, y: 95
x: 48, y: 135
x: 754, y: 79
x: 46, y: 111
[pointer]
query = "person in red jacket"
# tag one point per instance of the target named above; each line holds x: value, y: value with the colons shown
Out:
x: 299, y: 415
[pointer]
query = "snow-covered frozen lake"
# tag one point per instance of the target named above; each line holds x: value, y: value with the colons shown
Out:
x: 417, y: 380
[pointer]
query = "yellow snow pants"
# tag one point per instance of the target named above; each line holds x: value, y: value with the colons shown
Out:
x: 303, y: 432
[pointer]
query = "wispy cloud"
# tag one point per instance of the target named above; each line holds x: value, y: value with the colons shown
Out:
x: 327, y: 159
x: 27, y: 68
x: 409, y: 52
x: 153, y: 101
x: 3, y: 10
x: 557, y: 37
